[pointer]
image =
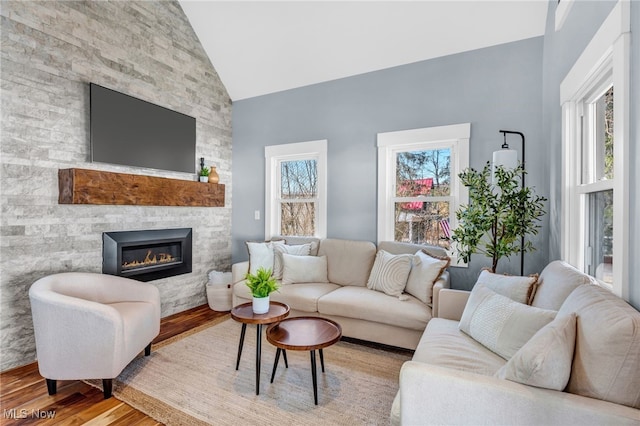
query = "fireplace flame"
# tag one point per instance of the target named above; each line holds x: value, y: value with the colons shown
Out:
x: 150, y: 259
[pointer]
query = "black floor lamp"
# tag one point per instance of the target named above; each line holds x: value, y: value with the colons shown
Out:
x: 508, y: 158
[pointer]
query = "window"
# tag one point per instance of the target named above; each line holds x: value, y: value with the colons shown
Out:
x: 418, y: 186
x: 295, y: 202
x: 595, y: 188
x: 595, y: 104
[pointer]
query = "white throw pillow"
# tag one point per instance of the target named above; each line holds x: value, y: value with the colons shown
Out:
x: 304, y: 269
x: 500, y: 324
x: 280, y: 249
x: 545, y: 360
x: 390, y: 272
x: 425, y: 271
x: 514, y: 287
x: 261, y: 255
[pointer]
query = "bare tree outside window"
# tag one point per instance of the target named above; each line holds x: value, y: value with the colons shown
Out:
x: 421, y: 176
x: 600, y: 203
x: 608, y: 134
x: 298, y: 195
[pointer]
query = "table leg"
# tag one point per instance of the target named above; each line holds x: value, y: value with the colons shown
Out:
x: 313, y: 376
x: 275, y: 364
x: 322, y: 360
x: 244, y: 329
x: 286, y: 363
x: 258, y: 354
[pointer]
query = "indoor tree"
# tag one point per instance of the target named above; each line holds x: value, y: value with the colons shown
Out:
x: 498, y: 216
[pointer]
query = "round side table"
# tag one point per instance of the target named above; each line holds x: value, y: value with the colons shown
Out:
x: 304, y: 334
x: 244, y: 314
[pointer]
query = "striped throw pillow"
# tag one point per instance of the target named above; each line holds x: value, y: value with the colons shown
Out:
x: 390, y: 272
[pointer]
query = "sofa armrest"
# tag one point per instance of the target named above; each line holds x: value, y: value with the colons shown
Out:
x: 239, y: 271
x: 74, y: 337
x: 460, y: 397
x: 451, y: 303
x: 442, y: 282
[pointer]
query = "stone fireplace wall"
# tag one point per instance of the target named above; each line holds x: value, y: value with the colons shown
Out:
x: 50, y: 52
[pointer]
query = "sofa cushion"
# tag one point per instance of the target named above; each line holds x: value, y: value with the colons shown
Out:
x: 300, y: 297
x: 443, y: 344
x: 349, y: 262
x: 557, y: 280
x: 389, y: 273
x: 280, y: 249
x: 362, y: 303
x: 499, y: 323
x: 425, y: 270
x: 545, y: 360
x: 304, y: 269
x: 606, y: 362
x: 514, y: 287
x: 261, y: 255
x: 294, y: 241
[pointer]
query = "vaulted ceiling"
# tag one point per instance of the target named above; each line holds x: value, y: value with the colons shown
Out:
x: 263, y: 47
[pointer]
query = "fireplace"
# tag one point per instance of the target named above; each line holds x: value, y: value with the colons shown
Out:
x: 147, y: 255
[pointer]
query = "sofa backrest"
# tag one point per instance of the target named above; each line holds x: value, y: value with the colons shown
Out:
x: 555, y: 283
x: 294, y: 241
x: 349, y: 262
x: 395, y: 247
x: 606, y: 360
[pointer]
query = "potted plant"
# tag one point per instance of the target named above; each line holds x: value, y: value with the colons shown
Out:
x: 204, y: 174
x: 498, y: 216
x: 261, y: 284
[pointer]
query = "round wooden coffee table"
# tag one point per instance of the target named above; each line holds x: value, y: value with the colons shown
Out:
x: 244, y: 314
x: 304, y: 334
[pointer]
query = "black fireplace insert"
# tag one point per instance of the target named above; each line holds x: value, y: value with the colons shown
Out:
x: 147, y: 255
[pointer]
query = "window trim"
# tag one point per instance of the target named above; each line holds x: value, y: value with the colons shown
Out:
x: 274, y: 154
x: 608, y: 51
x: 456, y: 136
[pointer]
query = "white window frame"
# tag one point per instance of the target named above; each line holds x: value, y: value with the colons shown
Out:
x: 456, y: 137
x: 274, y: 155
x: 607, y: 54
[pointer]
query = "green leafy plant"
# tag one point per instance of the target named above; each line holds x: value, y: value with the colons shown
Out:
x: 262, y: 283
x: 498, y: 215
x: 204, y: 171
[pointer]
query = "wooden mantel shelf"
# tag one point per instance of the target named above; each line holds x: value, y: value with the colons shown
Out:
x: 83, y: 186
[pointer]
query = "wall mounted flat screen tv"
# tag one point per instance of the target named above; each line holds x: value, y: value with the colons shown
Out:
x: 132, y: 132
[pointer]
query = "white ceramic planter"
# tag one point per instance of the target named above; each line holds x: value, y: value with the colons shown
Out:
x: 260, y: 305
x: 204, y: 178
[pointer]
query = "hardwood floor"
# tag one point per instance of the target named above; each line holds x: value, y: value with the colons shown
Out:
x: 24, y: 399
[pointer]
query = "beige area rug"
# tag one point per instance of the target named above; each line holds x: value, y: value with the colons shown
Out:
x: 192, y: 380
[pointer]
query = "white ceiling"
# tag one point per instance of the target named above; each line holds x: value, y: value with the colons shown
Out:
x: 262, y: 47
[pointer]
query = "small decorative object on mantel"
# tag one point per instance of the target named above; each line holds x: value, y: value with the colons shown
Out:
x: 261, y: 284
x: 213, y: 175
x: 204, y: 174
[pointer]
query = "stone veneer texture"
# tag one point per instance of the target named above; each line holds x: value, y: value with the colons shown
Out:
x: 51, y: 50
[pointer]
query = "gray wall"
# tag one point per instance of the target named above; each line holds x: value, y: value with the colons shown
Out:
x: 493, y: 88
x: 561, y: 49
x: 50, y: 51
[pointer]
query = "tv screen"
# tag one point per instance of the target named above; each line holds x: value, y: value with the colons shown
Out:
x: 132, y: 132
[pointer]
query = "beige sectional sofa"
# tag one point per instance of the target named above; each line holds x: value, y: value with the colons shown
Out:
x: 363, y: 313
x: 453, y: 379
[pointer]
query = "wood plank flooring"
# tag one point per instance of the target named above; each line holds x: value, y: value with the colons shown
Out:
x: 24, y: 399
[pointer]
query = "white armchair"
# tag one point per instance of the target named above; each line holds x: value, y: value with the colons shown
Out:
x: 90, y: 326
